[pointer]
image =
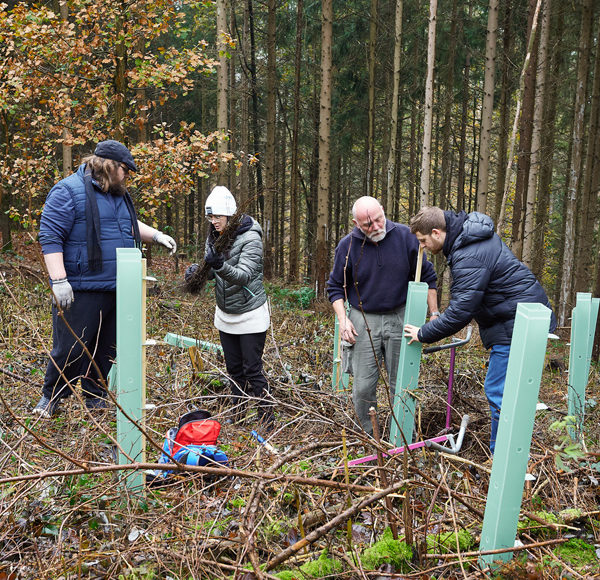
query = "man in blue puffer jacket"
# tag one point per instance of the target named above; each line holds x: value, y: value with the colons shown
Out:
x: 488, y: 282
x: 87, y: 216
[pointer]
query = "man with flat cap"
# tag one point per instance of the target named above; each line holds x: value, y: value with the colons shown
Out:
x: 86, y: 217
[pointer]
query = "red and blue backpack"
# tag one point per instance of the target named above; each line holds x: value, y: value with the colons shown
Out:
x: 193, y: 442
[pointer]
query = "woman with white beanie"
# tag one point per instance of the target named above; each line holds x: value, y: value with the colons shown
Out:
x: 242, y: 312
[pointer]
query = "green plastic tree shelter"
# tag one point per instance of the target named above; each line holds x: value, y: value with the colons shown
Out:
x: 583, y: 328
x: 407, y: 379
x: 523, y: 376
x: 131, y: 361
x: 187, y: 342
x: 339, y: 379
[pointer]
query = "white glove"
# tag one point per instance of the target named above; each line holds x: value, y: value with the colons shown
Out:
x: 63, y: 293
x: 166, y: 241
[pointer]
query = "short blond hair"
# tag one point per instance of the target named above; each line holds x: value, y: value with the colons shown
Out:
x: 427, y: 219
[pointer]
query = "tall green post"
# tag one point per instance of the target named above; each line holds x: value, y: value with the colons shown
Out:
x: 407, y: 379
x: 583, y: 329
x: 513, y: 441
x: 131, y: 356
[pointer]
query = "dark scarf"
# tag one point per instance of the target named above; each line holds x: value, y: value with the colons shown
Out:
x: 92, y: 218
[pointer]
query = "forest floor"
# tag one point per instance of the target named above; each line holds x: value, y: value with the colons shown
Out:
x: 58, y: 519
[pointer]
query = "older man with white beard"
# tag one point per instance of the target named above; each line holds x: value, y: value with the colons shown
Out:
x: 372, y: 268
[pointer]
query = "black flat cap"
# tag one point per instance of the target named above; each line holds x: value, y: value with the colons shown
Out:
x: 116, y: 151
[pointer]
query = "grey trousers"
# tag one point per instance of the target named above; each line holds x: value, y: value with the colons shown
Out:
x: 384, y: 347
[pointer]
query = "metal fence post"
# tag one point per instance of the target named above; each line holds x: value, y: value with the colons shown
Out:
x: 523, y: 376
x: 407, y: 379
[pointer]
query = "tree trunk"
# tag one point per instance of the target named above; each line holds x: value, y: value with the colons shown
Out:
x: 505, y: 90
x: 550, y: 106
x: 120, y: 78
x: 525, y: 137
x: 488, y: 107
x: 507, y: 180
x: 371, y: 129
x: 589, y: 194
x: 565, y: 300
x: 222, y: 81
x: 462, y: 147
x: 322, y: 257
x: 449, y: 101
x: 536, y: 136
x: 244, y: 192
x: 295, y: 169
x: 428, y: 112
x: 253, y: 88
x: 270, y: 185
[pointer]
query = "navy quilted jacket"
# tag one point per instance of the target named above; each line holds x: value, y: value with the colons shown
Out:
x: 488, y: 282
x: 63, y: 229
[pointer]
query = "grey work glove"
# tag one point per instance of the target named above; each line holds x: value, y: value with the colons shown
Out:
x: 63, y: 293
x: 189, y: 272
x: 167, y: 241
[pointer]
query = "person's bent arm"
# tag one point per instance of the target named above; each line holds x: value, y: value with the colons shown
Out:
x: 55, y: 265
x: 347, y: 330
x: 432, y: 303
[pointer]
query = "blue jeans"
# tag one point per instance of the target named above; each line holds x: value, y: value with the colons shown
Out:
x: 494, y: 385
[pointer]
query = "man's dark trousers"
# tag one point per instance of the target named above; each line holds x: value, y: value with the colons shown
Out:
x: 93, y: 318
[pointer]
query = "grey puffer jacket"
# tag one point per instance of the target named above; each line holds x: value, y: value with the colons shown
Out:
x: 239, y: 283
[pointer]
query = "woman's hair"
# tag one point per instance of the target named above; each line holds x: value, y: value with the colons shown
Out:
x: 428, y: 218
x: 104, y: 171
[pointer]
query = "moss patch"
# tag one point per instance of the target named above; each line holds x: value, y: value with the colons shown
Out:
x: 387, y: 551
x: 577, y: 553
x: 321, y: 567
x: 446, y: 542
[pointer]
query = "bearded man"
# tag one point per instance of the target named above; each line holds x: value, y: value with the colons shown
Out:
x: 87, y: 216
x: 372, y: 268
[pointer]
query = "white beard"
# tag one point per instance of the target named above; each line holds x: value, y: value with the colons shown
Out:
x: 379, y: 234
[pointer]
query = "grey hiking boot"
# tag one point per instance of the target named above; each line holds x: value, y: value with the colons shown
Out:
x: 46, y: 408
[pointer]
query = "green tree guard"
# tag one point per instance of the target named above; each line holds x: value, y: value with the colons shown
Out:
x: 186, y: 342
x: 407, y: 379
x: 339, y: 379
x: 513, y: 441
x: 131, y: 356
x: 583, y: 328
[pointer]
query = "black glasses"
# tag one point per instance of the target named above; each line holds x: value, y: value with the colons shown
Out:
x: 212, y: 218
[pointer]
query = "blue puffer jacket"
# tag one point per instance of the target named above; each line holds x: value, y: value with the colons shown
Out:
x: 63, y: 228
x: 488, y: 282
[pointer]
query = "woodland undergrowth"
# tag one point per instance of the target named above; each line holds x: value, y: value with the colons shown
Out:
x: 65, y: 513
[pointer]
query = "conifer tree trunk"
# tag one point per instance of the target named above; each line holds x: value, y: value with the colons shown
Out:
x: 449, y: 101
x: 270, y: 185
x: 588, y: 211
x: 371, y: 130
x: 536, y: 136
x: 428, y: 111
x: 573, y: 178
x: 488, y: 106
x: 462, y: 147
x: 550, y: 106
x: 294, y: 197
x: 222, y: 80
x: 322, y: 257
x: 525, y: 137
x: 503, y: 128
